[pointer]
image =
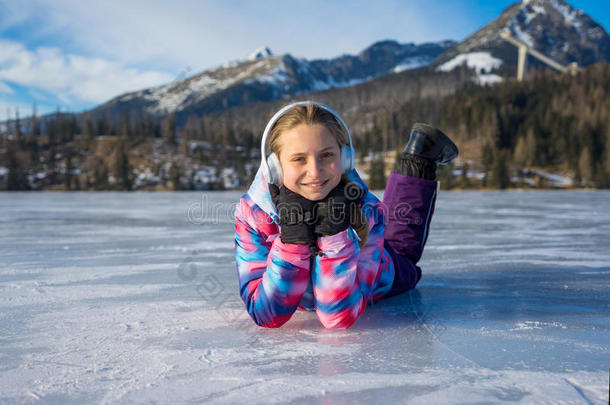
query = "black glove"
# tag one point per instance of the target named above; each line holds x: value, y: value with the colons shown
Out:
x: 416, y: 166
x: 296, y: 215
x: 333, y: 213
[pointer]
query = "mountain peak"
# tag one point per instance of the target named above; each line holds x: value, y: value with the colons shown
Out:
x: 552, y: 27
x: 260, y: 53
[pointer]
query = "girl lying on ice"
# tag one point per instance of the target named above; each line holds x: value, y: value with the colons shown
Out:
x: 309, y: 234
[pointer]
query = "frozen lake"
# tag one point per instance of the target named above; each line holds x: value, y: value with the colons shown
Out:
x: 133, y: 298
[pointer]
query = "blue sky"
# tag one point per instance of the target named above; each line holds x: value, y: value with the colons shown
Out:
x: 75, y: 54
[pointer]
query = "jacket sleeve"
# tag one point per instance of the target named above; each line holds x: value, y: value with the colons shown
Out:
x: 272, y: 276
x: 344, y: 275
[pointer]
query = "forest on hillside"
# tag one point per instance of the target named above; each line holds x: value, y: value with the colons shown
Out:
x: 549, y: 122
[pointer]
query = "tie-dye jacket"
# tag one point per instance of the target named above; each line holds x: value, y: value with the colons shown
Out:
x: 276, y: 278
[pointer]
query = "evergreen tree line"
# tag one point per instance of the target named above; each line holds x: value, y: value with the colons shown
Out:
x: 550, y: 120
x: 60, y: 143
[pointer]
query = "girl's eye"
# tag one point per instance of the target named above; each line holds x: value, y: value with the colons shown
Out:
x: 328, y: 154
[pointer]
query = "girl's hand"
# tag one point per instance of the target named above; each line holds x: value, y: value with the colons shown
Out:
x: 296, y: 215
x: 333, y: 213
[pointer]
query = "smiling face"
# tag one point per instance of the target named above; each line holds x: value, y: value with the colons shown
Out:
x: 311, y: 160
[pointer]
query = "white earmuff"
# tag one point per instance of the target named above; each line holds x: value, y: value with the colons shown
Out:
x: 275, y: 169
x: 271, y: 164
x: 347, y: 160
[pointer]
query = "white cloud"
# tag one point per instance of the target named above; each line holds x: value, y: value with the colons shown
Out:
x: 70, y: 77
x: 4, y: 88
x: 172, y: 36
x: 93, y: 51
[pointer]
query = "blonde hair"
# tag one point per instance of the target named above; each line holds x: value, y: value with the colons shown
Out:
x: 312, y: 114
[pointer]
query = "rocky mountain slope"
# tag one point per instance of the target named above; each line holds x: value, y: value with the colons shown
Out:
x: 552, y: 27
x: 266, y: 77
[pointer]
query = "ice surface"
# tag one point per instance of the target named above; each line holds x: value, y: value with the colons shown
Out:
x: 133, y: 298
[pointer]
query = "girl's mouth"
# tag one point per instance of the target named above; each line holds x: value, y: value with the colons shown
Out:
x: 316, y: 185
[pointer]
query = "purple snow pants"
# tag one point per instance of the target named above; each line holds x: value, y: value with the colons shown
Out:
x: 409, y: 205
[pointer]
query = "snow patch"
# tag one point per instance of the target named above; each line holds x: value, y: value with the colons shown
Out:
x: 260, y: 53
x: 522, y: 35
x: 535, y: 10
x: 570, y: 14
x: 556, y: 179
x: 531, y: 325
x: 595, y: 33
x: 482, y: 62
x: 231, y: 63
x: 276, y: 75
x: 412, y: 63
x: 488, y: 78
x: 176, y: 96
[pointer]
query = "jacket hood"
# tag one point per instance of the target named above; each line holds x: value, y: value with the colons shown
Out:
x: 260, y: 195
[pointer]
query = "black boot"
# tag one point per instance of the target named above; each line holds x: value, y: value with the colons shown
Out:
x: 427, y: 148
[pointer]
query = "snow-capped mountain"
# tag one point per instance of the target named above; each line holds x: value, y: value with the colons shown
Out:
x: 260, y: 53
x: 552, y: 27
x: 262, y: 76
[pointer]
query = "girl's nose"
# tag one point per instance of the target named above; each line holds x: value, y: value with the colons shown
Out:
x: 313, y: 169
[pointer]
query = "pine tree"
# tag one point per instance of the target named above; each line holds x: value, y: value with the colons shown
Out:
x: 219, y: 167
x: 17, y: 126
x: 377, y: 179
x: 35, y: 123
x: 100, y: 175
x: 376, y: 138
x: 102, y: 126
x: 123, y: 171
x: 16, y: 179
x: 525, y: 150
x: 487, y: 161
x: 124, y: 128
x: 499, y: 175
x: 584, y: 166
x: 52, y: 141
x: 604, y: 169
x: 69, y: 168
x: 444, y: 174
x: 464, y: 177
x: 247, y: 141
x: 59, y: 127
x: 168, y: 129
x: 174, y: 176
x: 88, y: 128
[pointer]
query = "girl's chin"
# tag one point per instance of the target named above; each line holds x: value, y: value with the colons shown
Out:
x: 315, y: 195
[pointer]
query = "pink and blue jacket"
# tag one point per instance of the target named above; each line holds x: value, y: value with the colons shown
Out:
x: 277, y: 278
